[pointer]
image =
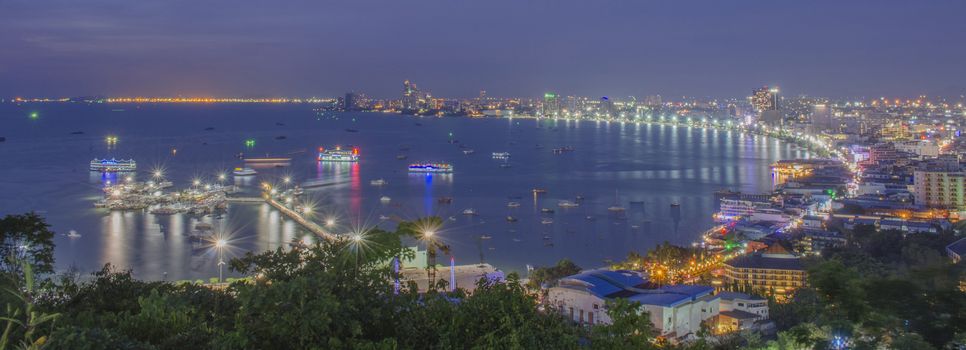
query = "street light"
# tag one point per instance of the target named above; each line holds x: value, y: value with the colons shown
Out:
x: 220, y: 246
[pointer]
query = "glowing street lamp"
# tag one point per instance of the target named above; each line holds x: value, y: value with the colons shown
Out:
x: 220, y: 246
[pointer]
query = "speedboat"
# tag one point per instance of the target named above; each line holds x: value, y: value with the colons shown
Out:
x: 485, y: 237
x: 385, y: 199
x: 244, y: 172
x: 546, y: 221
x: 73, y: 234
x: 567, y: 204
x: 383, y: 217
x: 469, y: 211
x: 511, y: 219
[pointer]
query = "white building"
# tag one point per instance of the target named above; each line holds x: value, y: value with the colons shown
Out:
x: 676, y: 311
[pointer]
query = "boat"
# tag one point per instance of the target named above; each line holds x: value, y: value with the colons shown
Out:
x: 546, y: 221
x: 546, y: 211
x: 385, y: 199
x: 511, y: 219
x: 444, y: 200
x: 590, y: 218
x: 513, y: 204
x: 468, y: 151
x: 485, y: 237
x: 351, y: 130
x: 338, y: 154
x: 616, y: 208
x: 378, y: 182
x: 564, y: 149
x: 383, y: 217
x: 73, y: 234
x: 113, y: 165
x: 281, y: 137
x: 164, y: 211
x: 244, y: 172
x: 276, y: 161
x: 539, y: 191
x: 501, y: 155
x: 567, y: 204
x: 402, y: 156
x: 673, y: 205
x: 469, y: 211
x: 77, y: 133
x: 430, y: 168
x: 579, y: 198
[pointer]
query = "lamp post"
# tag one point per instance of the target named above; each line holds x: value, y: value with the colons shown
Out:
x: 220, y: 246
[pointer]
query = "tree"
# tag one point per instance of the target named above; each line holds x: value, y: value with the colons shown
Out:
x: 543, y: 276
x: 630, y: 327
x: 26, y: 237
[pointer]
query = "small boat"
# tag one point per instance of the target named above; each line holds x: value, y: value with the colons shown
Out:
x: 590, y: 218
x: 505, y: 165
x: 210, y: 128
x: 579, y: 198
x: 546, y: 221
x: 244, y: 172
x: 77, y: 133
x: 279, y: 124
x: 485, y: 237
x: 385, y: 199
x: 546, y: 211
x: 539, y: 191
x: 501, y: 155
x: 567, y: 204
x: 564, y: 149
x: 280, y: 137
x: 73, y: 234
x: 675, y: 205
x: 378, y: 182
x: 511, y: 219
x: 444, y: 200
x: 351, y: 130
x: 469, y: 211
x: 513, y: 204
x: 383, y: 217
x: 452, y: 218
x: 616, y: 208
x: 637, y: 202
x: 402, y: 156
x: 548, y: 244
x: 468, y: 151
x: 517, y: 240
x: 547, y: 237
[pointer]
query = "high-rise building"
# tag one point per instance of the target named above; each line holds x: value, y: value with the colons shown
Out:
x: 551, y: 105
x: 607, y: 107
x: 350, y: 102
x: 940, y: 184
x: 411, y: 96
x: 653, y: 100
x: 765, y: 102
x: 821, y: 117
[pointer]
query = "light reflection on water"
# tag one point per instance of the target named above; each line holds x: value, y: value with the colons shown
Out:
x: 655, y: 165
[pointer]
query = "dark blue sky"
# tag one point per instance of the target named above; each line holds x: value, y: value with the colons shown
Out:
x: 455, y: 47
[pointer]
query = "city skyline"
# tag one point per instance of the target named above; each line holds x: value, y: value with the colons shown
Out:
x: 699, y: 49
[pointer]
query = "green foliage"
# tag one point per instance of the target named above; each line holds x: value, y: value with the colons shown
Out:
x: 26, y: 237
x: 630, y: 327
x: 24, y: 323
x: 542, y: 276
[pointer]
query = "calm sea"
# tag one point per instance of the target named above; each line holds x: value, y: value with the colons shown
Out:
x: 644, y: 168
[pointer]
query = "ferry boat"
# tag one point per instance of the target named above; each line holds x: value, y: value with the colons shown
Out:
x: 244, y: 172
x: 113, y: 165
x: 430, y: 168
x: 501, y: 155
x: 338, y: 154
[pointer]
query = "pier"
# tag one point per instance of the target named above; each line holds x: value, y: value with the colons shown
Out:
x: 298, y: 218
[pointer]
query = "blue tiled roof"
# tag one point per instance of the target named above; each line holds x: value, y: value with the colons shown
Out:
x: 623, y: 284
x: 958, y: 247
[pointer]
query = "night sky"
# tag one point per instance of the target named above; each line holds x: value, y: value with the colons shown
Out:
x: 456, y: 47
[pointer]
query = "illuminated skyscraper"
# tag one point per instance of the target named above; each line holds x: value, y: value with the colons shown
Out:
x: 411, y: 96
x: 551, y: 105
x: 765, y: 102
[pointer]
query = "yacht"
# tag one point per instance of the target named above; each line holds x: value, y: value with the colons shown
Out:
x: 338, y: 154
x: 244, y: 172
x: 430, y: 168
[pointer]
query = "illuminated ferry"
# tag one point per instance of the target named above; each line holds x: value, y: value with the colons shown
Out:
x: 113, y: 165
x: 430, y: 168
x: 339, y: 155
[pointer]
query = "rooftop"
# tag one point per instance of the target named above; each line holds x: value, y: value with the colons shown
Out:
x: 757, y: 261
x: 633, y: 286
x: 958, y: 247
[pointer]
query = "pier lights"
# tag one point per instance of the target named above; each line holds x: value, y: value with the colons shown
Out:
x: 158, y: 174
x: 128, y: 179
x: 196, y: 182
x: 287, y: 180
x: 221, y: 177
x: 330, y: 222
x: 207, y: 187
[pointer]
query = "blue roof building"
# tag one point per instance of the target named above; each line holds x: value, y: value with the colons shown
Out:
x: 676, y: 311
